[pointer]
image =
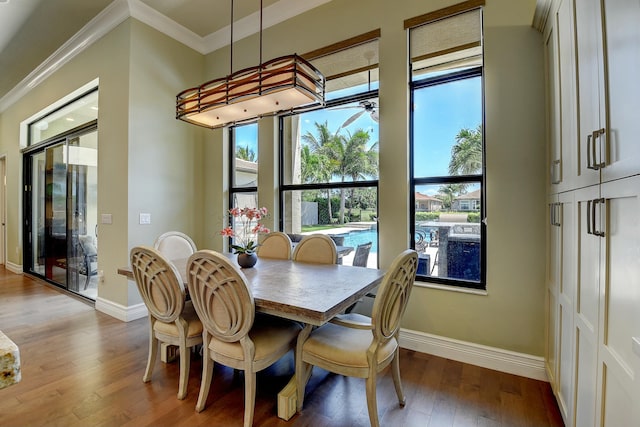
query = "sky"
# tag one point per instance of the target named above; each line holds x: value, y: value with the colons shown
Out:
x: 441, y: 112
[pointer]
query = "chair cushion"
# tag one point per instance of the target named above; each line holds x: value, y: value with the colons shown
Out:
x: 344, y: 346
x: 268, y: 334
x: 189, y: 314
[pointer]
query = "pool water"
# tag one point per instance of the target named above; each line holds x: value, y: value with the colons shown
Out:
x: 355, y: 238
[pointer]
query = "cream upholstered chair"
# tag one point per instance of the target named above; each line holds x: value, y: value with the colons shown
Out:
x: 175, y: 245
x: 358, y: 346
x: 172, y: 320
x: 225, y: 304
x: 276, y: 245
x: 317, y: 249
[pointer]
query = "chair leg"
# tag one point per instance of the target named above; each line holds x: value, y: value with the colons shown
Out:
x: 395, y: 371
x: 372, y: 402
x: 185, y: 362
x: 153, y: 351
x: 249, y: 397
x: 205, y: 382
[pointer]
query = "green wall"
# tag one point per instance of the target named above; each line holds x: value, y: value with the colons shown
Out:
x: 149, y: 162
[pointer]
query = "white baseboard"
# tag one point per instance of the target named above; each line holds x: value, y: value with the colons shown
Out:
x: 121, y: 312
x: 14, y: 268
x: 524, y: 365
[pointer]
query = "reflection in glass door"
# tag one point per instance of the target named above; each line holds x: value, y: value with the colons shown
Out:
x: 63, y: 206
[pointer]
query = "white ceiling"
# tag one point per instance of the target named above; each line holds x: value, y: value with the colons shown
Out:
x: 31, y: 31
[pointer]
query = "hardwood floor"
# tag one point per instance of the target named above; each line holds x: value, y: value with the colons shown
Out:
x: 83, y: 368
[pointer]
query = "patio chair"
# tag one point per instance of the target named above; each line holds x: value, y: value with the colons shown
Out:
x: 362, y: 254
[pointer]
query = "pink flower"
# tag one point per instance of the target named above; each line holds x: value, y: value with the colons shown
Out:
x: 227, y: 232
x: 247, y: 228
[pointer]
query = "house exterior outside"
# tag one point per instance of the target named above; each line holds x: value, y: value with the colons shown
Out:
x: 425, y: 203
x: 469, y: 202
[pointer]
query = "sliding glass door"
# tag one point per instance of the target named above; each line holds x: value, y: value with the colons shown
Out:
x: 61, y: 212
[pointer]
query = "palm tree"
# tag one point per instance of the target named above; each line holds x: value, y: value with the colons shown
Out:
x: 466, y: 153
x: 447, y: 193
x: 315, y: 153
x: 245, y: 153
x: 351, y: 159
x: 332, y: 154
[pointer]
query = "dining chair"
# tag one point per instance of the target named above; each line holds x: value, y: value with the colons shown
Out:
x: 317, y: 249
x: 276, y: 245
x: 359, y: 346
x: 175, y: 245
x: 361, y: 256
x: 225, y: 304
x: 172, y: 320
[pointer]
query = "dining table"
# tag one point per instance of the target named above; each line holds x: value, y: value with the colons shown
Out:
x: 308, y: 293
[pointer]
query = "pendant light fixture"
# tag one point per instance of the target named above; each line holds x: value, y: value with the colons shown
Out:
x: 281, y: 84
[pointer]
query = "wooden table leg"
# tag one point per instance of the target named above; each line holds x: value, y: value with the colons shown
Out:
x: 287, y: 400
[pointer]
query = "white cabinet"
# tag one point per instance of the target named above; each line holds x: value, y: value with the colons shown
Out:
x: 593, y: 282
x: 563, y: 138
x: 622, y: 60
x: 618, y: 228
x: 561, y: 291
x: 586, y: 307
x: 608, y: 58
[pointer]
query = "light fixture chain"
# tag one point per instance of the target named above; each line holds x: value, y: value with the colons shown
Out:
x: 231, y: 43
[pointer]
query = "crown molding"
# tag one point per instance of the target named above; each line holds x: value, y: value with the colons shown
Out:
x: 114, y: 14
x: 120, y: 10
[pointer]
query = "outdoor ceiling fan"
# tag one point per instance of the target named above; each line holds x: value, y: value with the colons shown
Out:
x: 366, y: 106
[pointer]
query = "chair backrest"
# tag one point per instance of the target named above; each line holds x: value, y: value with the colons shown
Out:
x: 276, y: 245
x: 317, y: 249
x: 87, y: 245
x: 158, y: 282
x: 220, y: 295
x: 393, y: 295
x: 362, y: 255
x: 175, y: 245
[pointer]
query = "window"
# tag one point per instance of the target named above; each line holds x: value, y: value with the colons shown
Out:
x: 447, y: 146
x: 71, y: 116
x: 243, y: 153
x: 329, y: 156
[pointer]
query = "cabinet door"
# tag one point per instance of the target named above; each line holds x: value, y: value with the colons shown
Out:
x: 554, y: 267
x: 622, y: 54
x: 566, y: 171
x: 590, y: 90
x: 553, y: 95
x: 587, y: 307
x: 618, y: 363
x: 566, y: 298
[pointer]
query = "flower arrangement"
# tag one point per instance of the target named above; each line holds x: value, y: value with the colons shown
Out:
x: 248, y: 228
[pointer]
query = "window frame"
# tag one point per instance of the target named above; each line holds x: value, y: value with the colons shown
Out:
x: 282, y: 188
x: 449, y: 179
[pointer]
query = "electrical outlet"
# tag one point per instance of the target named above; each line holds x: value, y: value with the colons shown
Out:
x: 101, y: 277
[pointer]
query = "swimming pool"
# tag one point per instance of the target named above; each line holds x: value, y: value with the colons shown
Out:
x: 358, y: 237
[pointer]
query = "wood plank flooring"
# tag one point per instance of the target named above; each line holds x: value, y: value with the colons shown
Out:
x: 83, y: 368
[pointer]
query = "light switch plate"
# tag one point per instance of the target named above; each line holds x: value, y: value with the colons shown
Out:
x: 636, y: 345
x: 106, y: 218
x: 145, y: 218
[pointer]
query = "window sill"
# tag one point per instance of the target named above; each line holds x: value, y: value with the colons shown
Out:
x: 481, y: 292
